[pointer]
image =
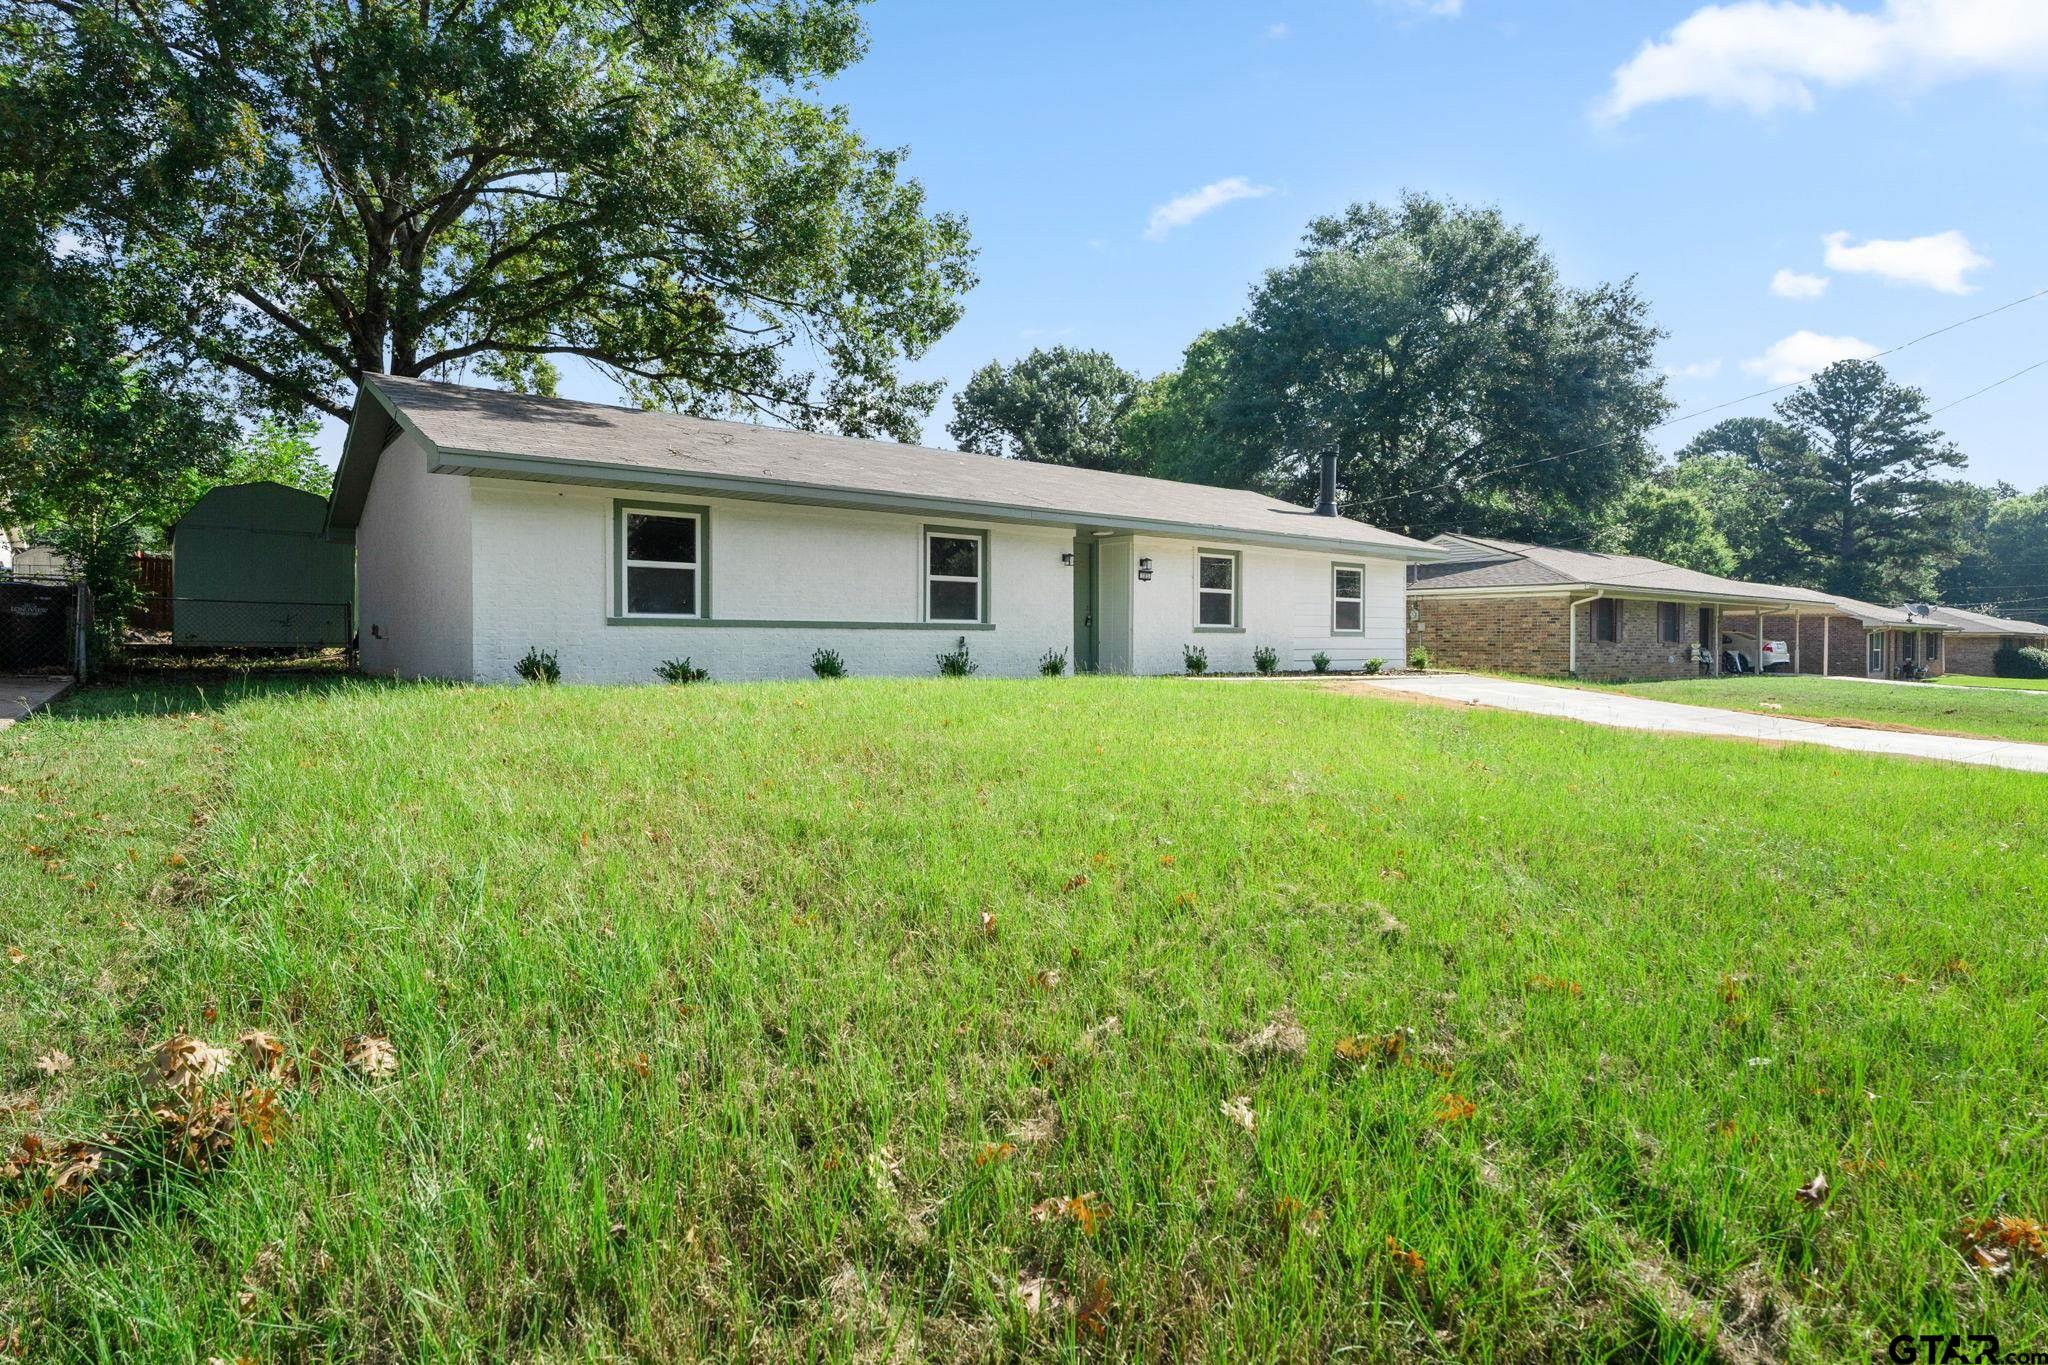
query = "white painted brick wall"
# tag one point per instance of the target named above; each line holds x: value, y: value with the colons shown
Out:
x: 413, y: 569
x: 544, y: 574
x: 1285, y: 602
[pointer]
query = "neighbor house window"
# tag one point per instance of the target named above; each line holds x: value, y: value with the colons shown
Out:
x: 1216, y: 589
x: 1906, y: 647
x: 1933, y: 644
x: 1668, y: 630
x: 1607, y: 620
x: 661, y: 571
x: 1347, y: 599
x: 1875, y: 663
x: 956, y: 572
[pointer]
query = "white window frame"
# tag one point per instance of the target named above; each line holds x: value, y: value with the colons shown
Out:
x: 627, y: 563
x: 1337, y: 597
x: 979, y: 578
x: 1232, y: 558
x: 1873, y: 652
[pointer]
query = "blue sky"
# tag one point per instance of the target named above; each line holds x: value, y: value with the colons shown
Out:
x: 1736, y: 146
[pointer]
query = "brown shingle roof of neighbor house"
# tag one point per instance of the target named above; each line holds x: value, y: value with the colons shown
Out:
x: 490, y: 432
x: 1975, y: 622
x: 1502, y: 565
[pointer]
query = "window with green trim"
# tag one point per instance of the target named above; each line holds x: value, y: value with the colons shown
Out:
x: 663, y: 565
x: 955, y: 575
x: 1216, y: 590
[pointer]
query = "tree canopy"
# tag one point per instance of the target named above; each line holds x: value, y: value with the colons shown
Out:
x: 1056, y: 405
x: 1863, y: 511
x: 1432, y: 347
x: 1673, y: 525
x: 299, y: 193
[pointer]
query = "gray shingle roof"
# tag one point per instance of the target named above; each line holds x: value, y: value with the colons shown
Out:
x: 492, y: 432
x: 1979, y: 623
x: 1487, y: 563
x: 1483, y: 562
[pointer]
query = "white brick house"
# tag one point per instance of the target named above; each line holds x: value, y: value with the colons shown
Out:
x: 488, y: 523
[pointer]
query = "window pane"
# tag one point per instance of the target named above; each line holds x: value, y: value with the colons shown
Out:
x: 1216, y: 609
x: 1348, y: 616
x: 1350, y: 583
x: 673, y: 539
x: 1216, y: 571
x: 955, y: 601
x: 956, y: 556
x: 661, y: 592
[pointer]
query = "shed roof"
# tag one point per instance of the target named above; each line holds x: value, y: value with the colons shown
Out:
x: 490, y: 432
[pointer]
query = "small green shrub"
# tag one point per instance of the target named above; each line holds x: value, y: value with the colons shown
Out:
x: 1321, y: 661
x: 1194, y: 659
x: 1419, y: 658
x: 1266, y: 659
x: 1052, y: 663
x: 2020, y: 661
x: 539, y: 666
x: 958, y: 661
x: 680, y: 671
x: 826, y: 663
x: 1375, y: 665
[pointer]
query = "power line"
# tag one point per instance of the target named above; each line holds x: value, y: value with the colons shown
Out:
x: 1989, y: 387
x: 1717, y: 407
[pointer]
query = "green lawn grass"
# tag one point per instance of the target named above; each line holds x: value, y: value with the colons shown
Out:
x: 2011, y: 684
x: 1994, y: 713
x: 706, y: 1047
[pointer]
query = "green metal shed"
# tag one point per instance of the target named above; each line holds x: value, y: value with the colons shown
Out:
x: 250, y: 568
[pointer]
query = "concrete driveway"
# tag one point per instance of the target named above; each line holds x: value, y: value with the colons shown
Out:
x: 1638, y: 713
x: 24, y: 696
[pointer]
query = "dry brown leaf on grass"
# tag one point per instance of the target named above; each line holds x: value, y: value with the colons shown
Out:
x: 1814, y: 1192
x: 261, y: 1051
x: 1091, y: 1314
x: 1281, y: 1036
x: 370, y: 1054
x: 1238, y: 1110
x: 16, y: 956
x: 1049, y: 979
x: 183, y: 1062
x: 55, y: 1062
x: 1410, y: 1261
x: 988, y: 924
x: 1991, y: 1244
x: 1374, y: 1047
x: 1076, y: 882
x: 991, y: 1153
x: 1085, y: 1211
x: 198, y: 1135
x: 1455, y: 1108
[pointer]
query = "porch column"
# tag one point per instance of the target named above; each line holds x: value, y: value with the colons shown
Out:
x: 1796, y: 620
x: 1759, y: 642
x: 1827, y: 633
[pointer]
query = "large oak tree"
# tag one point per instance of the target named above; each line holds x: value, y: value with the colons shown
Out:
x: 1433, y: 348
x: 299, y: 193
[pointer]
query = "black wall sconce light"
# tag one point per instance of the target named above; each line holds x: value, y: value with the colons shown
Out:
x: 1144, y: 571
x: 1068, y: 559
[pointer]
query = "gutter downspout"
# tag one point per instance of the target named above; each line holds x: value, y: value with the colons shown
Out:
x: 1572, y: 617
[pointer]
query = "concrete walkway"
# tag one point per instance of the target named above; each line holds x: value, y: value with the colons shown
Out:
x: 1638, y: 713
x: 22, y: 697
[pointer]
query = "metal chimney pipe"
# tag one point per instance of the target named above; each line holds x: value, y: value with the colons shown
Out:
x: 1326, y: 496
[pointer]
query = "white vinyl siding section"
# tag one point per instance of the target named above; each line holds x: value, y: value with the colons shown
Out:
x: 413, y: 569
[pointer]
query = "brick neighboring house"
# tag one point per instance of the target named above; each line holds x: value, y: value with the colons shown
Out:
x: 1976, y: 637
x: 1843, y: 637
x: 1509, y: 607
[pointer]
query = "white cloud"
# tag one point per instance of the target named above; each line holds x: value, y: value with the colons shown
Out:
x: 1425, y: 9
x: 1937, y: 262
x: 1791, y: 284
x: 1698, y: 369
x: 1179, y: 212
x: 1044, y: 333
x: 1792, y: 359
x: 1766, y: 55
x: 1276, y: 32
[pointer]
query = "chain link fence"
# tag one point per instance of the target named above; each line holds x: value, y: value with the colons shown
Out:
x: 43, y: 625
